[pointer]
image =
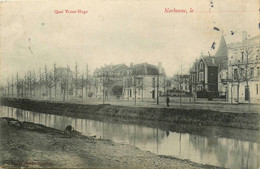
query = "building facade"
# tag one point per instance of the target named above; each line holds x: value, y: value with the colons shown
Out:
x: 208, y: 74
x: 145, y: 80
x: 109, y: 81
x: 181, y: 83
x: 244, y: 70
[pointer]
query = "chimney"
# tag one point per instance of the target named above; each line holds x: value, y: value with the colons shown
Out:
x: 160, y: 67
x: 244, y: 36
x: 131, y: 64
x: 213, y: 60
x: 145, y: 68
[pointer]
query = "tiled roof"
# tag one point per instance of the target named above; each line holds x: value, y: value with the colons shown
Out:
x: 145, y: 69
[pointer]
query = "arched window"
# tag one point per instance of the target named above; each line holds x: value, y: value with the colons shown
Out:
x: 201, y: 65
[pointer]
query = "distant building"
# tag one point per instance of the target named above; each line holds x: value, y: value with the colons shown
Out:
x: 181, y: 83
x: 208, y: 74
x: 244, y: 70
x: 109, y: 80
x: 143, y: 79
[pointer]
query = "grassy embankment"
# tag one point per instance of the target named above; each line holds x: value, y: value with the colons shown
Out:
x: 172, y: 115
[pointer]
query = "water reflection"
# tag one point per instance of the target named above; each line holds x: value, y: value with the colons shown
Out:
x: 210, y: 149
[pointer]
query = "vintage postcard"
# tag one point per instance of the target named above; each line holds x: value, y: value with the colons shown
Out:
x: 130, y: 84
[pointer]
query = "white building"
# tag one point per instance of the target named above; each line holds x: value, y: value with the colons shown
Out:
x: 143, y: 79
x: 243, y: 70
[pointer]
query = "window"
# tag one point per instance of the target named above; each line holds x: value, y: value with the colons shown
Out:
x: 235, y: 74
x: 193, y: 78
x: 139, y: 81
x: 242, y: 56
x: 181, y: 88
x: 201, y: 65
x: 257, y: 54
x: 241, y: 71
x: 256, y: 88
x: 186, y: 88
x: 201, y: 76
x: 251, y: 72
x: 153, y: 82
x: 258, y: 71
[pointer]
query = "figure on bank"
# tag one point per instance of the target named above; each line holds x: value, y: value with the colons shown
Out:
x: 167, y: 101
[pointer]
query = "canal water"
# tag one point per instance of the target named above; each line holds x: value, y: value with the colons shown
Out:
x: 210, y: 148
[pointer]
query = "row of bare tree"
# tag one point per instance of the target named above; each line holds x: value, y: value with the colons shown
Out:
x: 40, y: 85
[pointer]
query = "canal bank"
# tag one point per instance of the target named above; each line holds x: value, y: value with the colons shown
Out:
x: 208, y: 145
x: 199, y: 117
x: 31, y: 145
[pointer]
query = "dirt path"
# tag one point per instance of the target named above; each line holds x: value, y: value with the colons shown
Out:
x: 30, y: 145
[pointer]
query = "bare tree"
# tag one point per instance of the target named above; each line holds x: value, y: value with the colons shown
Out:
x: 46, y: 81
x: 56, y: 79
x: 34, y: 83
x: 8, y: 87
x: 27, y: 85
x: 67, y: 81
x: 12, y: 85
x: 40, y: 83
x: 76, y: 79
x: 17, y: 85
x: 87, y: 80
x: 82, y: 85
x: 242, y: 70
x: 63, y: 83
x: 179, y: 80
x: 249, y: 63
x: 50, y: 83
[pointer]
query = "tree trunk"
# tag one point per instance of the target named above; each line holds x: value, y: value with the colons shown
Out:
x: 86, y: 91
x: 82, y: 93
x: 50, y: 92
x: 248, y: 90
x: 231, y: 92
x: 238, y: 85
x: 63, y: 94
x: 55, y: 90
x: 180, y: 96
x: 142, y: 94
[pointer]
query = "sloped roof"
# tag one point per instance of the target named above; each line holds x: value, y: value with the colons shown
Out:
x: 145, y: 69
x: 221, y: 56
x: 61, y: 71
x: 112, y: 68
x: 222, y: 51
